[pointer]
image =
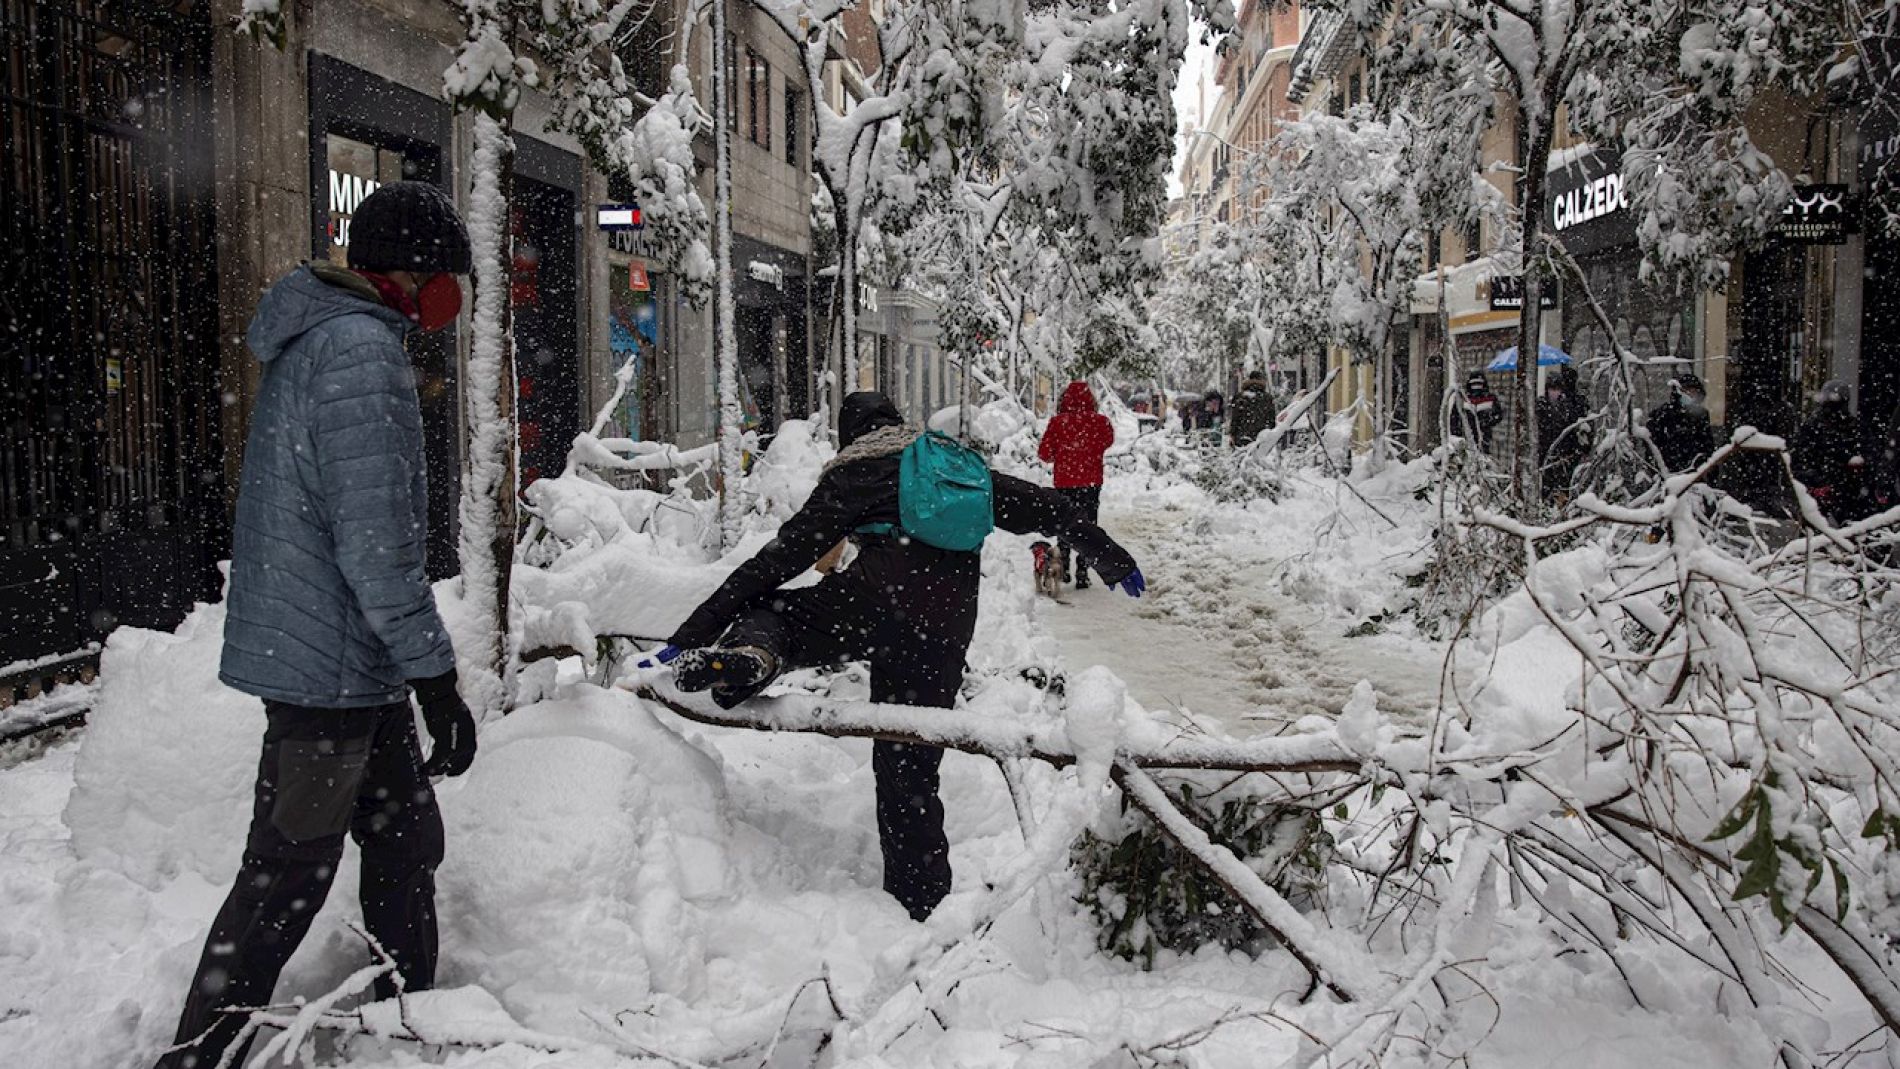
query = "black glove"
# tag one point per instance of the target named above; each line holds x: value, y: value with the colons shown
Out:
x: 450, y: 724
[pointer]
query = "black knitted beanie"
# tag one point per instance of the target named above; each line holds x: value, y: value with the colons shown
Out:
x: 408, y: 226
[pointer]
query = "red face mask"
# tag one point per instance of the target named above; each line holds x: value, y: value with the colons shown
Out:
x: 438, y: 302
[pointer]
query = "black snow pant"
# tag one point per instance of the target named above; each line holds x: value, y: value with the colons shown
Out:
x: 324, y: 773
x: 1087, y: 502
x: 829, y: 624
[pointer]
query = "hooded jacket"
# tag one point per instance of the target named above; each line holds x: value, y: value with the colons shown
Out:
x: 1077, y: 437
x: 1683, y: 435
x: 1252, y: 412
x: 1822, y: 453
x: 328, y: 604
x: 933, y: 590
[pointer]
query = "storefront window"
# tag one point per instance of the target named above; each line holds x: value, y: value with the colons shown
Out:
x: 356, y: 168
x: 633, y: 333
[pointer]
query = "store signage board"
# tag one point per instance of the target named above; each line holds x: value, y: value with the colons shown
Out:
x: 1817, y: 215
x: 637, y: 279
x: 346, y: 192
x: 1507, y: 294
x: 1588, y: 204
x: 770, y: 274
x: 618, y: 217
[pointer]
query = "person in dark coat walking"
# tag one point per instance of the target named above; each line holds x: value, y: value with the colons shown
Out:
x: 1213, y: 415
x: 1253, y: 410
x: 1480, y: 411
x: 907, y: 607
x: 1563, y: 436
x: 1680, y: 426
x: 1188, y: 410
x: 331, y: 620
x: 1074, y: 443
x: 1826, y: 455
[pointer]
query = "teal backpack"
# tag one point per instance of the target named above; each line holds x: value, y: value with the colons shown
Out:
x: 943, y: 495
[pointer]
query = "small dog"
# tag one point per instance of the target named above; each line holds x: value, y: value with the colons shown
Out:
x: 1048, y: 569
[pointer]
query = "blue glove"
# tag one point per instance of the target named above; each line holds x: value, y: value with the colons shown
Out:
x: 665, y: 656
x: 1133, y: 584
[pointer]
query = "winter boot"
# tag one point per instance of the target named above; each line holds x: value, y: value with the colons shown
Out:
x: 732, y: 674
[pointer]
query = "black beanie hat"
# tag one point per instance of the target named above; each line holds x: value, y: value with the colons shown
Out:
x: 408, y: 226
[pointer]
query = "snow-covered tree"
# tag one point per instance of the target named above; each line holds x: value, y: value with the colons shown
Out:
x: 1046, y: 127
x: 559, y: 48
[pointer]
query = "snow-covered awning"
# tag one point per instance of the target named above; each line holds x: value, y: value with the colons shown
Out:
x: 1467, y: 290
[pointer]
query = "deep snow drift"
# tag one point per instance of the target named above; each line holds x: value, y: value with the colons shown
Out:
x: 621, y: 882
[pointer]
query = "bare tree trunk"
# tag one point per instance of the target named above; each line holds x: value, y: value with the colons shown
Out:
x: 848, y: 293
x: 725, y: 333
x: 1526, y: 466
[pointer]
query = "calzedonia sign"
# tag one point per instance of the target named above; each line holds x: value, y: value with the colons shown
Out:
x: 1587, y: 204
x: 1506, y: 293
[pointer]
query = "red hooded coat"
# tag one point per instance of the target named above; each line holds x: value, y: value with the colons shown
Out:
x: 1076, y: 439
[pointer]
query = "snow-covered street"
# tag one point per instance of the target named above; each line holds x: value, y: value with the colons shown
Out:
x: 621, y: 882
x: 1224, y: 633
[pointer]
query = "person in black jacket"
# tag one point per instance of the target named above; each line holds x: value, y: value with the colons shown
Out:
x: 1480, y: 411
x: 1680, y: 426
x: 906, y: 607
x: 1826, y: 455
x: 1563, y: 433
x: 1253, y: 410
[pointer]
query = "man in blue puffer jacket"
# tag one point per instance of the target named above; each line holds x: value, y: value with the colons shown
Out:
x: 331, y: 620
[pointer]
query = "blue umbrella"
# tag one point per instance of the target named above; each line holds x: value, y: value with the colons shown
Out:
x: 1547, y: 356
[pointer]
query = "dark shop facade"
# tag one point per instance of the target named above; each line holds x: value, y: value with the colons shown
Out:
x: 160, y: 173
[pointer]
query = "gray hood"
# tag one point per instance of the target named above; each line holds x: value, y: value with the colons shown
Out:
x: 307, y: 297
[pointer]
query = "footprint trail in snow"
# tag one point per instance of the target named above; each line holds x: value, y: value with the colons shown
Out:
x: 1219, y: 634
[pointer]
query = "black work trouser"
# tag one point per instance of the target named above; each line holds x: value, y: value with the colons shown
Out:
x: 324, y: 773
x: 1087, y: 502
x: 829, y: 624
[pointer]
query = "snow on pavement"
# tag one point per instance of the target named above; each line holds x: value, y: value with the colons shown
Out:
x: 620, y: 879
x: 1243, y: 625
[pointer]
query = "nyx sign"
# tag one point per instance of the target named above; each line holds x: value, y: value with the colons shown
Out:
x: 1816, y: 215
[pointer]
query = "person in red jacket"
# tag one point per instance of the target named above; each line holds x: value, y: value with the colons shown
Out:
x: 1075, y: 441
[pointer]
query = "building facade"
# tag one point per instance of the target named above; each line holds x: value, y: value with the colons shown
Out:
x: 1816, y: 302
x: 164, y: 171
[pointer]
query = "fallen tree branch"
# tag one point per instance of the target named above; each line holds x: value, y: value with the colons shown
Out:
x: 1347, y: 973
x: 1000, y: 740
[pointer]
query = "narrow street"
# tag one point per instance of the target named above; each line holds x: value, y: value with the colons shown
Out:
x: 1218, y: 635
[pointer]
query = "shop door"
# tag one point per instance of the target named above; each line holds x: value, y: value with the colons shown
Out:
x: 757, y: 368
x: 110, y: 483
x: 547, y: 358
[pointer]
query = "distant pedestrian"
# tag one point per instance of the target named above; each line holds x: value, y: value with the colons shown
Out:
x: 1680, y: 425
x: 907, y: 604
x: 1074, y: 443
x: 1480, y: 411
x: 1563, y: 433
x: 1826, y: 455
x: 1188, y: 410
x: 1213, y: 415
x: 331, y: 619
x: 1253, y: 410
